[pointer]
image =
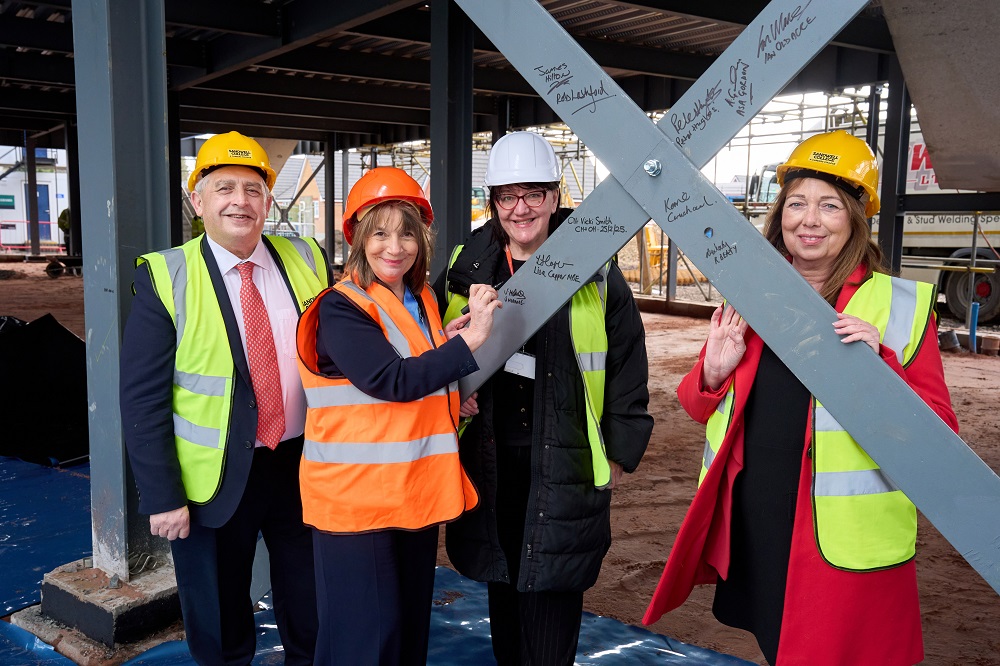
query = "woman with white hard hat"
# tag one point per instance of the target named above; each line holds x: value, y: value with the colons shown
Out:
x: 547, y: 441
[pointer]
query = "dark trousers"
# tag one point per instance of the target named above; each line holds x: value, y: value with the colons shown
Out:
x: 214, y: 568
x: 374, y: 593
x: 537, y: 628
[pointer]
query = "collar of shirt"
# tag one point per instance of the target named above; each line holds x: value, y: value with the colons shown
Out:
x: 227, y: 261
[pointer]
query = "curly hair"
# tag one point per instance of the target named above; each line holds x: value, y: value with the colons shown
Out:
x: 859, y: 249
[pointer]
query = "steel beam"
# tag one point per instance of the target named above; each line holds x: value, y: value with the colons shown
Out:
x: 328, y: 109
x: 302, y: 22
x: 656, y: 174
x: 300, y: 87
x: 329, y: 188
x: 451, y: 127
x: 894, y: 155
x: 72, y: 143
x: 31, y: 196
x: 122, y: 112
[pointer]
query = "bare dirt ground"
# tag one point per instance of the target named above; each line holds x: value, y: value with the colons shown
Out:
x: 961, y: 613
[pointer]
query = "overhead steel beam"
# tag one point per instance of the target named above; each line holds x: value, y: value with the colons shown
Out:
x: 318, y: 60
x: 33, y: 124
x: 33, y: 34
x: 415, y: 27
x: 263, y: 82
x: 35, y: 101
x: 241, y: 118
x: 301, y: 108
x: 187, y: 53
x: 55, y: 70
x: 950, y: 203
x: 863, y: 32
x: 349, y: 139
x: 229, y: 16
x: 656, y: 174
x: 303, y: 22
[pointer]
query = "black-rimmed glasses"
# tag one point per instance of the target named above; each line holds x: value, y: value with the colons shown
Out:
x: 532, y: 199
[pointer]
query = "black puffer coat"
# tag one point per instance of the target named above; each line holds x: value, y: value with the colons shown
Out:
x: 568, y: 525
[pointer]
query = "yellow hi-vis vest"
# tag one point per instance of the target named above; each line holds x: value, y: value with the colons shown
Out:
x: 204, y: 370
x: 590, y: 345
x: 371, y: 464
x: 861, y: 520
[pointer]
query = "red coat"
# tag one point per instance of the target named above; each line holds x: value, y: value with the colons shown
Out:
x: 830, y: 616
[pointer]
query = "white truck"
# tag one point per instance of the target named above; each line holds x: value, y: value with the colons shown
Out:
x: 937, y: 248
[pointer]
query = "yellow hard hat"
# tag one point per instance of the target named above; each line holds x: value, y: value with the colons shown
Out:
x: 838, y: 154
x: 232, y: 149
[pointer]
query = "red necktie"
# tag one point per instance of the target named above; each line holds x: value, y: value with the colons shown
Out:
x: 263, y: 361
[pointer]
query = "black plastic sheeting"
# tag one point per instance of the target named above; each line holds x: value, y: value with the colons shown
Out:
x: 43, y: 390
x: 45, y: 522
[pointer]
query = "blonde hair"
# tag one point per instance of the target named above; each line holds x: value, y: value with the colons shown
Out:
x: 378, y: 217
x: 859, y: 249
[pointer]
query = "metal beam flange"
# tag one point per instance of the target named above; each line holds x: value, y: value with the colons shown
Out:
x: 939, y: 473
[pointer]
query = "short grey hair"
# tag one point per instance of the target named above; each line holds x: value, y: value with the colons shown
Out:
x: 199, y: 185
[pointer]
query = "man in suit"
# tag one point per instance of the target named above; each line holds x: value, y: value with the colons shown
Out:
x: 213, y: 408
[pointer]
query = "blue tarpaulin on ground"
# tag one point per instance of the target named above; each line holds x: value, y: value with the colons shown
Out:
x: 45, y: 522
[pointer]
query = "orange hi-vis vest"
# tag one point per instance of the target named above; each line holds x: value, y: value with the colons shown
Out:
x: 371, y: 464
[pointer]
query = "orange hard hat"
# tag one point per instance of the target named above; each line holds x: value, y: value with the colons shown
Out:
x: 232, y: 149
x: 383, y: 184
x: 838, y: 154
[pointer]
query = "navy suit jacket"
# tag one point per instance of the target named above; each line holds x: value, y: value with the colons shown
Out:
x: 147, y: 377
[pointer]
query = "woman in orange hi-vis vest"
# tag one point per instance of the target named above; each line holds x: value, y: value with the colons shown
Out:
x: 380, y: 468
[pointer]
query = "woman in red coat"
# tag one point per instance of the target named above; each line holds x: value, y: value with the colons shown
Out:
x: 817, y: 565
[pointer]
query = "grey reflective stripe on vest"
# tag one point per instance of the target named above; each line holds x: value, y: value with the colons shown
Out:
x: 709, y: 455
x: 902, y: 311
x: 593, y: 361
x: 846, y: 484
x: 196, y: 434
x: 721, y: 408
x: 396, y: 337
x: 305, y: 251
x: 345, y: 395
x: 824, y: 421
x: 201, y: 384
x: 353, y: 453
x: 177, y: 269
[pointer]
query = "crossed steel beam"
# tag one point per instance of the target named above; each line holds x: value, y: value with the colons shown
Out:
x: 656, y: 175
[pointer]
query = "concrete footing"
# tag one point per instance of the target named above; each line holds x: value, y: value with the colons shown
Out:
x: 81, y: 611
x: 72, y: 644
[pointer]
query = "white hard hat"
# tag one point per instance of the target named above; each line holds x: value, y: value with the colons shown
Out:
x: 521, y: 157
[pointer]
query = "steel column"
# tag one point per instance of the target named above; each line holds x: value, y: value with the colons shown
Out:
x: 658, y: 169
x: 894, y: 154
x: 451, y: 128
x: 73, y: 178
x: 329, y: 186
x: 345, y: 157
x: 176, y: 188
x: 31, y: 196
x: 122, y: 113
